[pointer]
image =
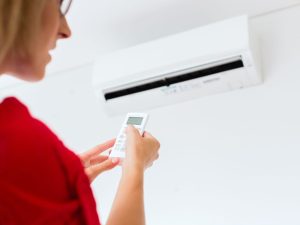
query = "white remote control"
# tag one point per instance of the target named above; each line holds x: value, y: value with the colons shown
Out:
x: 138, y: 120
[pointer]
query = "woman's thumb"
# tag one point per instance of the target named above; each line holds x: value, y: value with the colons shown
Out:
x: 131, y: 132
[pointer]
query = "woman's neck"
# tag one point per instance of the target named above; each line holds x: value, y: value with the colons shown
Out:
x: 2, y: 68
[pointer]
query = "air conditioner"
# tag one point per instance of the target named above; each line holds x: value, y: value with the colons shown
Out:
x: 215, y: 58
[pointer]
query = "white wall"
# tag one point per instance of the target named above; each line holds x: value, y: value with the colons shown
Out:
x: 231, y: 158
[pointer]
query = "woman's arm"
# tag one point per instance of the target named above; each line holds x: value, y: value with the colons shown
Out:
x: 128, y: 206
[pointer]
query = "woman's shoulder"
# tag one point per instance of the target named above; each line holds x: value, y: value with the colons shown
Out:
x: 19, y: 128
x: 33, y: 141
x: 16, y: 121
x: 37, y: 164
x: 11, y: 105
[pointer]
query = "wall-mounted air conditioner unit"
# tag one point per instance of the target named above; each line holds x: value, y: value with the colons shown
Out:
x: 207, y: 60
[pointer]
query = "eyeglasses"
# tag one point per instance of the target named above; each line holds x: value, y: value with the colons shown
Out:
x: 65, y: 6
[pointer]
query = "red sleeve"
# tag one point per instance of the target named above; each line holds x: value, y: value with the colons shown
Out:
x: 41, y: 181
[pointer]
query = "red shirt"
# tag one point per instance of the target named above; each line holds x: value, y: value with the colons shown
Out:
x: 41, y: 181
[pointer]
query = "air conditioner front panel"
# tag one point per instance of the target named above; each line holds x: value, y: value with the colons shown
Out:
x: 178, y: 68
x: 176, y: 77
x: 180, y: 92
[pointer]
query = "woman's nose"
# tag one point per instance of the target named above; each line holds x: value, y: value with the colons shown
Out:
x: 64, y: 29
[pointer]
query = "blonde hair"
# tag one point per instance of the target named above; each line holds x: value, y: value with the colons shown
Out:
x: 20, y: 21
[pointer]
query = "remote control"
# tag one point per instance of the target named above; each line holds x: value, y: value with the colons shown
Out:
x: 138, y: 120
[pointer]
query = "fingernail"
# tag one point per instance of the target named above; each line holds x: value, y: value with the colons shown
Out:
x: 114, y: 160
x: 127, y: 130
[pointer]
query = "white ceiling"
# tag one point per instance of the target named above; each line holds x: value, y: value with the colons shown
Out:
x: 101, y: 26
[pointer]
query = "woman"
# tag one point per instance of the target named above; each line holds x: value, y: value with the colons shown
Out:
x: 41, y: 181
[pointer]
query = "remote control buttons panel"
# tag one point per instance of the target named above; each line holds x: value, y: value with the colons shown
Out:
x: 121, y: 140
x: 137, y: 120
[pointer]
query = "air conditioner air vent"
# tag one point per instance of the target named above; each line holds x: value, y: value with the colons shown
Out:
x: 175, y: 77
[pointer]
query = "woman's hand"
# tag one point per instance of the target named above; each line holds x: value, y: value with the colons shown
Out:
x: 94, y: 163
x: 141, y: 151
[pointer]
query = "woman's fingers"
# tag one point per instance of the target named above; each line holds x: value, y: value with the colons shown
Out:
x: 97, y: 150
x: 131, y: 131
x: 94, y: 171
x: 98, y: 159
x: 147, y: 134
x: 102, y: 147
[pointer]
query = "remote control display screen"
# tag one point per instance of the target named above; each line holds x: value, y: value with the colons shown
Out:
x: 135, y: 120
